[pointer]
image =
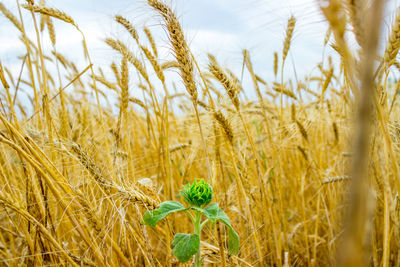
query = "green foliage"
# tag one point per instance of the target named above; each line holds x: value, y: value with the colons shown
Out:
x: 185, y: 246
x: 198, y: 195
x: 152, y: 217
x: 214, y: 213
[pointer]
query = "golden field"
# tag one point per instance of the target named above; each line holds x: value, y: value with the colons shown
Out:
x: 307, y: 171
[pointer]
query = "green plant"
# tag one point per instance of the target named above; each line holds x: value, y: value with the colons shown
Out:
x: 198, y: 195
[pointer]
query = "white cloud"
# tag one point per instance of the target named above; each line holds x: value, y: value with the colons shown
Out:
x: 222, y: 27
x: 204, y: 41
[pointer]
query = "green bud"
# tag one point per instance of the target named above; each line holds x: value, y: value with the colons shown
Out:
x: 198, y: 194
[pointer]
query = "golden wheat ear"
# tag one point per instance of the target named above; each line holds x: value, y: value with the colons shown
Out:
x: 180, y: 47
x: 128, y: 26
x: 55, y: 13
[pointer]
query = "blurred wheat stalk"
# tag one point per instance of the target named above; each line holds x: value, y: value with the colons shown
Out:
x: 75, y: 179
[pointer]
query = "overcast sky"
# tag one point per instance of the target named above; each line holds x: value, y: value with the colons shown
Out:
x: 222, y: 27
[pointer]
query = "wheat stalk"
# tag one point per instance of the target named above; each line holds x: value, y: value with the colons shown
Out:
x: 55, y: 13
x: 230, y: 85
x: 151, y: 40
x: 128, y: 26
x: 10, y: 17
x: 50, y: 28
x: 288, y: 39
x: 393, y: 43
x: 180, y: 47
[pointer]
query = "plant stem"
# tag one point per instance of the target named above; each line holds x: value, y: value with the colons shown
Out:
x: 203, y: 224
x: 197, y: 230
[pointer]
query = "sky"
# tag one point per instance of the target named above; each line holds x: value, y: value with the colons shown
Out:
x: 221, y: 27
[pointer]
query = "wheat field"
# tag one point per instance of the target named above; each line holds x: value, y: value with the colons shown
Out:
x: 307, y: 170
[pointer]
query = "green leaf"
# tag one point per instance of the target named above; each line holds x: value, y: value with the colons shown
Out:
x: 214, y: 213
x: 185, y: 246
x: 152, y: 217
x: 233, y: 241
